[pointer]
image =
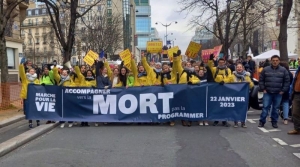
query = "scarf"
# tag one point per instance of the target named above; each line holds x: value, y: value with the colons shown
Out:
x: 30, y: 77
x: 157, y: 70
x: 89, y: 78
x: 64, y: 79
x: 166, y: 75
x: 222, y: 67
x: 240, y: 76
x: 189, y: 69
x: 141, y: 74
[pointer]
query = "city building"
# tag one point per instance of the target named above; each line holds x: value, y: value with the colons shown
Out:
x: 202, y: 35
x: 154, y: 36
x: 143, y: 23
x: 40, y: 44
x: 14, y: 48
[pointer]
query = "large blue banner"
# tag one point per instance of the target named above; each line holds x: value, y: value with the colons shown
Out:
x: 208, y: 101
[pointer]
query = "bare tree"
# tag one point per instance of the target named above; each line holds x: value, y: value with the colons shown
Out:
x: 286, y: 9
x: 103, y: 32
x: 224, y: 18
x: 57, y: 10
x: 6, y: 16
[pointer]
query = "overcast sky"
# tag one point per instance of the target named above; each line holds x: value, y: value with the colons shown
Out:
x: 165, y: 11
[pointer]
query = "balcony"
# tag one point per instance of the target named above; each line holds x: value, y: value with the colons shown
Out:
x: 43, y: 23
x: 44, y: 43
x: 36, y: 34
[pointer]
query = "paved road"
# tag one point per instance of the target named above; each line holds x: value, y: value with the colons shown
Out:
x: 159, y: 145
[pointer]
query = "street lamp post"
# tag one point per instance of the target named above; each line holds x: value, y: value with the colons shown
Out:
x: 166, y: 25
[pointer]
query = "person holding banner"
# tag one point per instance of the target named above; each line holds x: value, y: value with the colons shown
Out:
x: 240, y: 75
x: 102, y: 78
x: 64, y: 80
x: 29, y: 78
x: 187, y: 75
x: 142, y: 76
x: 221, y: 74
x: 115, y: 79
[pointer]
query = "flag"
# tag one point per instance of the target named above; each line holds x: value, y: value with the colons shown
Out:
x: 101, y: 54
x: 168, y: 42
x: 23, y: 60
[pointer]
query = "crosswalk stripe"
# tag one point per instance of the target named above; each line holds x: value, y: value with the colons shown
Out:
x: 251, y: 121
x: 295, y: 145
x: 279, y: 141
x: 297, y: 154
x: 274, y: 130
x: 263, y: 130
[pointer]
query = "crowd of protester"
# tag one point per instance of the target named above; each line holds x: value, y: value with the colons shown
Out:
x: 218, y: 70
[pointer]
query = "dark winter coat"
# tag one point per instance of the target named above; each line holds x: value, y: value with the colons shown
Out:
x: 274, y: 80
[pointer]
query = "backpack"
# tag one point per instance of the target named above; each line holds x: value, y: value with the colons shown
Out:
x: 188, y: 74
x: 216, y: 74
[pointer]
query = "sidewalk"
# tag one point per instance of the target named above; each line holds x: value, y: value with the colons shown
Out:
x: 10, y: 113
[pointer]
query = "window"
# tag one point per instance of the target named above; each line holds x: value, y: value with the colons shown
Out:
x: 29, y: 13
x: 44, y: 11
x: 45, y: 60
x: 109, y: 12
x: 10, y: 52
x: 37, y: 59
x: 82, y: 1
x: 99, y: 7
x: 36, y: 12
x: 29, y: 21
x: 108, y: 3
x: 45, y: 49
x: 29, y: 31
x: 44, y: 39
x: 44, y: 30
x: 37, y: 40
x: 73, y: 60
x: 30, y: 41
x: 44, y: 20
x: 82, y: 9
x: 37, y: 21
x: 37, y: 50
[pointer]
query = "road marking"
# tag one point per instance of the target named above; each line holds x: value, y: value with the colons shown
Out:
x: 297, y: 154
x: 256, y: 119
x: 281, y: 142
x: 295, y: 145
x: 251, y: 121
x: 274, y: 130
x: 250, y: 111
x: 263, y: 130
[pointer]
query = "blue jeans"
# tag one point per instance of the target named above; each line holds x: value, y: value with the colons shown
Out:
x: 285, y: 108
x: 268, y: 100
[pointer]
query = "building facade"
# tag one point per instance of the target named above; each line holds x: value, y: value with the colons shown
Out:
x: 40, y: 44
x: 14, y: 41
x: 143, y: 23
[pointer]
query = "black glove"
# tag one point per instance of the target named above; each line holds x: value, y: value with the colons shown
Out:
x: 43, y: 84
x: 211, y: 57
x: 190, y: 83
x: 221, y: 83
x: 94, y: 87
x: 178, y: 52
x: 174, y: 54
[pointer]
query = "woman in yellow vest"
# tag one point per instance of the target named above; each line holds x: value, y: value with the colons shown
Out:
x: 142, y: 75
x: 63, y: 80
x: 187, y: 75
x: 27, y: 78
x: 240, y: 75
x: 154, y: 73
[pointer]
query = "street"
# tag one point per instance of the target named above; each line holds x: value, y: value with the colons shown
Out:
x: 161, y: 145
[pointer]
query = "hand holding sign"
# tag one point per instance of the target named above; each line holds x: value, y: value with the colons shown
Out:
x: 193, y: 49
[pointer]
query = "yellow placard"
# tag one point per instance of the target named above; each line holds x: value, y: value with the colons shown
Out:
x: 89, y: 60
x: 193, y: 49
x: 90, y: 57
x: 126, y: 57
x: 154, y: 47
x: 171, y: 51
x: 92, y: 54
